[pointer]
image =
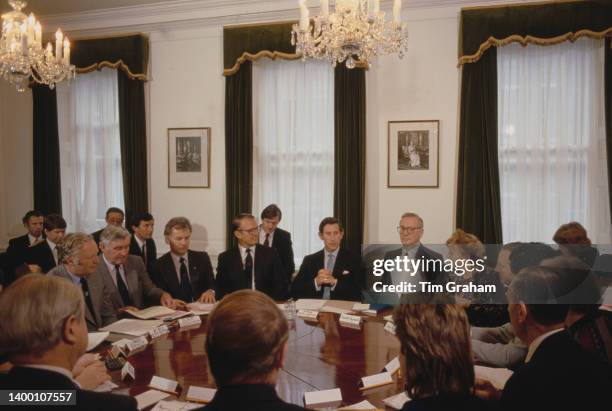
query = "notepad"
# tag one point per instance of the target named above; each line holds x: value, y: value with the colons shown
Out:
x: 200, y: 394
x: 132, y: 327
x: 397, y: 401
x: 175, y: 405
x: 151, y: 312
x: 95, y: 339
x: 376, y: 380
x: 497, y: 376
x: 363, y: 405
x: 150, y: 397
x: 163, y: 384
x: 322, y: 399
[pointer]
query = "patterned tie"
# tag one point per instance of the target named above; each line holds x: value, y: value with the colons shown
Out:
x: 267, y: 241
x: 248, y: 267
x: 330, y: 267
x: 186, y: 290
x: 122, y: 287
x: 85, y: 288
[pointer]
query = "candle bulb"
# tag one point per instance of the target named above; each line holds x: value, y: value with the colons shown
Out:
x: 325, y: 8
x: 304, y: 16
x: 49, y: 52
x: 31, y: 23
x: 59, y: 37
x: 66, y: 60
x: 376, y: 7
x: 38, y: 34
x: 24, y: 39
x: 397, y: 11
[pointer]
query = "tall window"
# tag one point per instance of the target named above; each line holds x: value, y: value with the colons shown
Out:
x: 293, y: 154
x: 552, y: 156
x: 90, y: 154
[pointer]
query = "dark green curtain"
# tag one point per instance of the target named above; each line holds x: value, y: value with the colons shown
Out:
x: 133, y: 140
x: 238, y: 144
x: 608, y: 108
x: 46, y: 155
x: 478, y: 202
x: 349, y: 156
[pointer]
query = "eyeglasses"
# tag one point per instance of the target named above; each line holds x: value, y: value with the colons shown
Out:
x: 250, y: 231
x: 408, y: 230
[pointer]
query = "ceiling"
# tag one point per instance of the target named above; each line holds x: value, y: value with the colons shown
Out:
x: 47, y: 7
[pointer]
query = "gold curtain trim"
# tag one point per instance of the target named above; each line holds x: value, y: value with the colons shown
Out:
x: 118, y: 64
x: 246, y: 56
x: 525, y: 40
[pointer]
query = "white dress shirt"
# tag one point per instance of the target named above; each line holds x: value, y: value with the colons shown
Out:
x: 262, y: 236
x: 243, y: 255
x: 325, y: 258
x: 113, y: 274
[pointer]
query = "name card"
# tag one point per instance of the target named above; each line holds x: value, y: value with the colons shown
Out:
x: 159, y: 331
x: 308, y: 314
x: 350, y: 320
x: 393, y: 366
x: 190, y: 321
x: 128, y: 370
x: 137, y: 344
x: 390, y: 327
x: 323, y: 399
x: 163, y: 384
x: 376, y: 380
x: 200, y: 394
x: 388, y: 318
x: 397, y: 401
x: 361, y: 307
x: 116, y: 351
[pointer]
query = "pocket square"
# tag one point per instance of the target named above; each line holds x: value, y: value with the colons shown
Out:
x: 345, y: 272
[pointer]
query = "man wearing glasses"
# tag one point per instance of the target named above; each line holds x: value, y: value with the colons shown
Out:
x: 250, y: 265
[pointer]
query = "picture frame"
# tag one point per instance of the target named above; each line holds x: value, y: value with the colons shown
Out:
x: 189, y: 157
x: 413, y: 153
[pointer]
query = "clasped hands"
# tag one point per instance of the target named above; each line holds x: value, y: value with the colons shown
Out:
x: 325, y: 277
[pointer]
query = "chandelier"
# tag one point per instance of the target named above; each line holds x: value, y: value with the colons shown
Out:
x: 22, y: 56
x: 355, y: 32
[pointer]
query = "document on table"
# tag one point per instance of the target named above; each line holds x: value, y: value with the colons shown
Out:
x: 175, y: 405
x: 106, y: 386
x: 200, y: 394
x: 363, y: 405
x: 95, y: 339
x: 397, y: 401
x: 338, y: 307
x: 132, y: 327
x: 497, y: 376
x: 163, y: 384
x: 150, y: 397
x: 200, y: 308
x: 151, y: 312
x: 309, y: 304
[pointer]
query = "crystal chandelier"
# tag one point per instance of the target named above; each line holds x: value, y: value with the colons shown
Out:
x: 22, y: 56
x: 355, y: 32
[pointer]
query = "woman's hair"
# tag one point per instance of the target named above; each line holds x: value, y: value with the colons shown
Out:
x: 467, y: 243
x: 571, y: 233
x: 435, y: 341
x: 245, y: 338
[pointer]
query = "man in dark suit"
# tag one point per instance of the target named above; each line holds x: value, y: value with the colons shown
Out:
x: 114, y: 216
x: 187, y: 275
x: 246, y: 346
x: 78, y: 255
x: 43, y: 332
x: 45, y: 253
x: 250, y: 265
x: 332, y: 273
x: 270, y: 235
x: 18, y: 246
x: 558, y: 374
x: 142, y: 243
x: 125, y: 275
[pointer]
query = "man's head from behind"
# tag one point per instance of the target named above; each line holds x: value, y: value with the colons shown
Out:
x: 42, y: 321
x: 79, y: 252
x: 33, y: 222
x: 246, y: 339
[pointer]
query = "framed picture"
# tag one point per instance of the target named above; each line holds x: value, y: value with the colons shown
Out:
x: 189, y: 157
x: 413, y: 153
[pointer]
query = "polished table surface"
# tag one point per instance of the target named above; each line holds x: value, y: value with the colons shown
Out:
x: 321, y: 355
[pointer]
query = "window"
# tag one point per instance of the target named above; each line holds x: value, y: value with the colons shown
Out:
x: 293, y: 152
x: 552, y: 156
x: 90, y: 152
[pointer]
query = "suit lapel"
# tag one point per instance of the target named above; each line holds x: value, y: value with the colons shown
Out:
x: 132, y: 282
x: 194, y: 273
x: 171, y: 274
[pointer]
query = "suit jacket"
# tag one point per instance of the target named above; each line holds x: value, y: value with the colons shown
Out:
x: 282, y: 242
x: 455, y: 402
x: 41, y: 255
x: 559, y: 376
x: 141, y: 288
x: 164, y: 275
x: 151, y: 251
x: 252, y: 397
x: 347, y: 270
x: 16, y: 251
x: 269, y: 275
x: 100, y: 295
x: 37, y: 379
x: 96, y: 236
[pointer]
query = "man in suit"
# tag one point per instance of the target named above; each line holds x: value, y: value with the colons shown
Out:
x: 45, y: 253
x: 270, y: 235
x: 125, y: 275
x: 78, y: 255
x: 187, y: 275
x: 142, y: 243
x: 18, y: 246
x: 249, y: 264
x: 246, y: 346
x: 43, y: 332
x: 332, y: 273
x: 557, y: 374
x: 114, y: 216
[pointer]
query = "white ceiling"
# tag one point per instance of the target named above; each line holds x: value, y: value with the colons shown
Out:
x: 47, y: 7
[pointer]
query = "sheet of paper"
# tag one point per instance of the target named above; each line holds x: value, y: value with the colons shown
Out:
x: 497, y: 376
x: 200, y: 308
x: 309, y: 304
x: 151, y: 312
x: 397, y: 401
x: 106, y: 386
x: 393, y: 366
x: 128, y: 370
x: 96, y: 339
x: 189, y: 321
x: 376, y: 380
x: 122, y: 342
x: 164, y: 405
x: 200, y: 394
x: 163, y: 384
x: 132, y: 327
x: 323, y: 397
x: 363, y: 405
x: 150, y: 397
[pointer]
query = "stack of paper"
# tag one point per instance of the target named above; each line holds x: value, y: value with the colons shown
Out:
x: 132, y: 327
x: 497, y: 376
x: 96, y: 339
x: 151, y: 312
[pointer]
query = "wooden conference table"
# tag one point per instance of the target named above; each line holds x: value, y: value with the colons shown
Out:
x: 322, y: 355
